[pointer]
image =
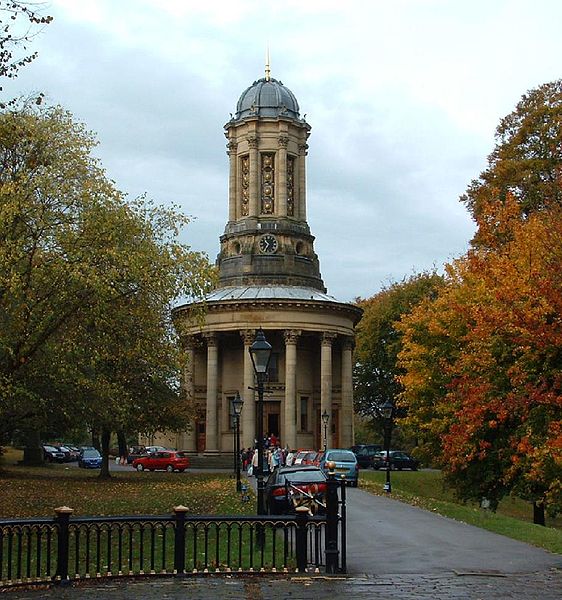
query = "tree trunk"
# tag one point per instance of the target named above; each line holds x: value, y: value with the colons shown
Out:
x: 538, y: 513
x: 105, y: 436
x: 33, y: 452
x: 96, y: 440
x: 123, y: 448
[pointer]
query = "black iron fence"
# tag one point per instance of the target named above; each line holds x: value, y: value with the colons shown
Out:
x: 66, y: 548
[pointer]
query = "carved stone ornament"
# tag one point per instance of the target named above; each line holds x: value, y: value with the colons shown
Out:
x: 283, y: 141
x: 232, y: 147
x: 253, y: 141
x: 291, y: 335
x: 291, y: 186
x: 303, y: 149
x: 267, y: 183
x: 248, y: 335
x: 212, y: 339
x: 245, y: 185
x: 328, y: 338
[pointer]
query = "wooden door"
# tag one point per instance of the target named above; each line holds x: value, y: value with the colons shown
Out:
x: 272, y: 419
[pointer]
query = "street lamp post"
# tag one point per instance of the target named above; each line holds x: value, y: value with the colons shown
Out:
x: 237, y: 404
x: 387, y: 411
x: 260, y: 353
x: 325, y: 419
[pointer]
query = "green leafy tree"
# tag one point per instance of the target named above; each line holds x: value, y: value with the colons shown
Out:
x: 526, y: 162
x: 379, y: 341
x: 87, y: 281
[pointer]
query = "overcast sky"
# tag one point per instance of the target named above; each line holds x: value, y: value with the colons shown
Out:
x: 403, y: 98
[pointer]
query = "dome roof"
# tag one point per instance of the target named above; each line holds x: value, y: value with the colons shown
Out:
x: 267, y: 97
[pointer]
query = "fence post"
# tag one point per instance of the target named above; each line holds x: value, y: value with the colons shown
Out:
x: 179, y: 539
x: 332, y: 552
x: 302, y: 530
x: 62, y: 519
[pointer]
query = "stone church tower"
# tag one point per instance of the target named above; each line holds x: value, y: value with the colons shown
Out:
x: 269, y: 277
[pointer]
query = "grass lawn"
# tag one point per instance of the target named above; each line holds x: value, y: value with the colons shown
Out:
x: 426, y: 489
x: 35, y: 492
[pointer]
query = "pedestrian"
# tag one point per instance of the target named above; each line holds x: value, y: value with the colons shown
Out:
x: 290, y: 458
x: 275, y: 458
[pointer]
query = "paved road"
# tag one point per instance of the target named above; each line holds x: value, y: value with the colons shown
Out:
x: 538, y: 586
x: 395, y: 552
x: 388, y: 537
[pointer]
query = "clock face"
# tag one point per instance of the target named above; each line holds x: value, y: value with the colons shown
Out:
x: 268, y: 244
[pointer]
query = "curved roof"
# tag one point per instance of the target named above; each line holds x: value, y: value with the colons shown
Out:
x: 267, y: 97
x: 279, y: 292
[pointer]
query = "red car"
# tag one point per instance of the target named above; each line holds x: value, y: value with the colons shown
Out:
x: 168, y: 460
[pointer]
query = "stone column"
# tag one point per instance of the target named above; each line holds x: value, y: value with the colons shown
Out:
x: 346, y: 421
x: 212, y: 393
x: 301, y: 212
x: 254, y: 191
x: 232, y: 195
x: 248, y: 418
x: 326, y: 385
x: 282, y: 176
x: 290, y: 412
x: 189, y: 438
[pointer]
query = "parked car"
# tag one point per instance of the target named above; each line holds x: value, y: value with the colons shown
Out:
x: 365, y: 454
x: 153, y: 449
x: 169, y: 460
x: 346, y: 464
x: 318, y: 459
x: 90, y: 458
x: 74, y: 452
x: 310, y: 458
x: 289, y: 487
x: 398, y: 460
x: 301, y: 455
x: 135, y: 452
x: 53, y: 454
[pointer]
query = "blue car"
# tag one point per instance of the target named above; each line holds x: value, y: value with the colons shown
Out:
x: 346, y: 465
x: 90, y: 459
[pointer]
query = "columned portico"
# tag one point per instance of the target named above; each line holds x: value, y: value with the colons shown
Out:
x: 326, y: 382
x: 212, y: 389
x: 290, y: 413
x: 248, y: 420
x: 347, y: 430
x: 269, y: 278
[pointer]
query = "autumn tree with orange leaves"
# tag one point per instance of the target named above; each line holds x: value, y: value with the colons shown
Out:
x: 483, y: 361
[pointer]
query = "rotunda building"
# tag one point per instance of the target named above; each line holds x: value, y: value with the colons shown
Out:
x: 269, y: 278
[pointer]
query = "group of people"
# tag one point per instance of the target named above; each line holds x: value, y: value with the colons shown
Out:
x: 273, y: 455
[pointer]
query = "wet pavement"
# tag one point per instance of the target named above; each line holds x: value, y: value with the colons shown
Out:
x: 544, y: 585
x: 395, y: 552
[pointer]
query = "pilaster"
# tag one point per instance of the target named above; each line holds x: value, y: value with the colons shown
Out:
x: 254, y: 198
x: 212, y: 392
x: 248, y: 418
x: 326, y: 382
x: 283, y: 142
x: 346, y: 421
x: 232, y: 197
x: 290, y: 413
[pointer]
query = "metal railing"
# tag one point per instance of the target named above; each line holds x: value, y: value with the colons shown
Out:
x: 65, y: 548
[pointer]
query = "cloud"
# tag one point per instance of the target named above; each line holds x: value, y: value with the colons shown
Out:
x: 403, y: 98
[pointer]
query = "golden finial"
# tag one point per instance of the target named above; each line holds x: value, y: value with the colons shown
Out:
x: 267, y: 69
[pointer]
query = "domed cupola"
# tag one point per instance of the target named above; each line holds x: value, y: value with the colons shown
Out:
x: 267, y: 97
x: 267, y: 240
